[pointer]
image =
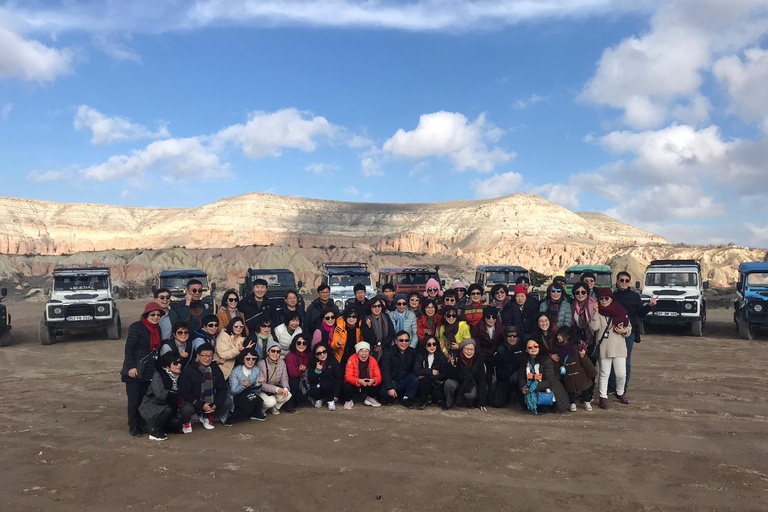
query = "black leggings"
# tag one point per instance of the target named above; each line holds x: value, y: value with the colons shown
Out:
x: 326, y: 392
x: 294, y: 383
x: 135, y: 391
x: 247, y: 403
x: 427, y: 390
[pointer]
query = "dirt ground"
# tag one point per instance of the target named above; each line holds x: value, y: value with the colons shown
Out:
x: 694, y: 438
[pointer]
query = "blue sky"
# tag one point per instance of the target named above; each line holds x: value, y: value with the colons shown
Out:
x: 653, y: 112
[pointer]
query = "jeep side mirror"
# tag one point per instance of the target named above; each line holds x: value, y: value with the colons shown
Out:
x: 3, y: 292
x: 442, y: 283
x: 378, y: 284
x: 706, y: 285
x: 154, y: 288
x: 637, y: 284
x: 300, y: 284
x: 213, y: 287
x: 116, y: 289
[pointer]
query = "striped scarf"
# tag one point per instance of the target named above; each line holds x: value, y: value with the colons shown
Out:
x: 206, y: 390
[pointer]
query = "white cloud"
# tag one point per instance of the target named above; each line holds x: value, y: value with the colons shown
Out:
x: 370, y: 166
x: 658, y: 203
x: 564, y: 195
x: 352, y: 191
x: 115, y: 49
x: 497, y: 185
x: 759, y: 233
x: 30, y: 60
x: 46, y: 176
x: 746, y: 83
x: 5, y: 110
x: 107, y: 130
x: 450, y: 134
x: 533, y: 99
x: 321, y: 168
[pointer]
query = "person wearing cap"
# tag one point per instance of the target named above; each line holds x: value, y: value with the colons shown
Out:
x: 345, y: 336
x: 522, y: 312
x: 560, y: 282
x: 465, y: 378
x: 590, y: 280
x: 315, y: 311
x: 430, y: 368
x: 275, y: 390
x: 362, y: 376
x: 488, y: 334
x: 142, y: 347
x: 403, y: 319
x: 359, y: 301
x: 508, y: 358
x: 397, y: 371
x: 473, y: 311
x: 204, y: 390
x: 556, y: 307
x: 610, y: 323
x: 389, y: 295
x: 462, y: 299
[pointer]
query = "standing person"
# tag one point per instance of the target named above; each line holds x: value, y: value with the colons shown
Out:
x: 378, y: 329
x: 275, y: 391
x: 324, y: 378
x: 574, y: 367
x: 545, y: 334
x: 630, y: 300
x: 402, y: 318
x: 556, y: 307
x: 452, y: 332
x: 500, y: 297
x: 560, y: 282
x: 583, y: 307
x: 462, y: 299
x: 429, y: 323
x: 589, y: 279
x: 473, y: 312
x: 206, y: 333
x: 359, y: 301
x: 397, y: 372
x: 537, y: 375
x: 254, y: 306
x: 346, y: 335
x: 228, y: 310
x: 522, y: 313
x: 508, y: 358
x: 163, y: 298
x: 611, y: 324
x: 389, y: 295
x: 263, y: 337
x: 142, y: 346
x: 297, y: 363
x: 180, y: 344
x: 244, y: 387
x: 204, y: 390
x: 289, y: 307
x: 192, y: 309
x: 449, y: 300
x: 433, y: 291
x: 324, y: 331
x: 286, y: 331
x: 362, y: 376
x: 230, y: 342
x: 414, y: 304
x: 430, y: 368
x: 488, y: 334
x: 160, y: 406
x: 465, y: 378
x: 316, y: 310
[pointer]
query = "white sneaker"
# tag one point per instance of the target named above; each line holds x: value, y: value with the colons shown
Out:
x: 349, y: 405
x: 207, y: 423
x: 372, y: 402
x: 275, y: 410
x: 187, y: 428
x: 318, y: 404
x: 331, y: 405
x: 587, y: 406
x: 573, y: 407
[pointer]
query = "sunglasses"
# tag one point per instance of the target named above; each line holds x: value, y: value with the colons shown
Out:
x: 238, y: 326
x: 534, y: 345
x: 376, y: 306
x: 321, y: 352
x: 196, y: 290
x: 512, y: 335
x: 589, y: 280
x: 331, y: 317
x: 604, y: 299
x: 353, y: 315
x: 623, y: 280
x: 301, y: 343
x: 232, y: 299
x: 156, y: 313
x: 582, y: 292
x: 211, y: 325
x: 177, y: 362
x: 450, y: 299
x: 476, y: 293
x: 403, y: 340
x: 266, y: 326
x: 431, y: 344
x: 164, y: 297
x: 500, y: 291
x: 556, y: 290
x: 274, y: 351
x: 182, y: 332
x: 432, y: 289
x: 250, y: 358
x: 450, y: 315
x: 400, y: 303
x: 489, y: 317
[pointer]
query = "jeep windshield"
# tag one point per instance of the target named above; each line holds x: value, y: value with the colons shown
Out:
x: 415, y: 278
x: 80, y: 283
x: 345, y: 280
x: 279, y: 280
x: 758, y: 279
x: 501, y: 277
x: 671, y: 279
x: 600, y: 279
x: 180, y: 283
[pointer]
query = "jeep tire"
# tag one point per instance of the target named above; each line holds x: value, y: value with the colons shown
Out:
x: 115, y: 328
x: 5, y: 338
x: 46, y: 334
x: 746, y: 330
x: 697, y: 327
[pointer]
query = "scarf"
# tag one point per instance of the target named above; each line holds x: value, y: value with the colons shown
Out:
x: 174, y: 379
x: 553, y: 308
x: 532, y: 397
x: 450, y: 331
x: 154, y: 334
x: 271, y: 368
x: 617, y: 312
x: 501, y: 305
x: 466, y: 360
x: 362, y: 369
x: 353, y: 336
x: 400, y: 320
x: 380, y: 327
x: 566, y: 349
x: 431, y: 323
x: 261, y: 344
x: 206, y: 389
x: 206, y: 336
x: 582, y: 314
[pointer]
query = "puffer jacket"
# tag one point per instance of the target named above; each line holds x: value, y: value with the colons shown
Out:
x: 469, y: 377
x: 461, y: 334
x: 353, y: 367
x: 339, y: 343
x: 396, y: 365
x: 237, y: 378
x: 191, y: 382
x: 549, y: 380
x: 254, y: 312
x: 410, y: 325
x: 281, y: 378
x: 564, y: 314
x: 137, y: 354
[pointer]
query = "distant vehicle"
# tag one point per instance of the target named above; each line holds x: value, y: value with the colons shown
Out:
x: 489, y: 275
x: 751, y: 307
x: 342, y: 278
x: 81, y: 299
x: 408, y: 279
x: 279, y: 281
x: 603, y: 276
x: 5, y: 321
x: 678, y: 288
x: 175, y: 281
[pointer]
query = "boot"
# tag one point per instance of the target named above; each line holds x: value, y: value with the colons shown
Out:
x: 623, y: 399
x: 603, y: 403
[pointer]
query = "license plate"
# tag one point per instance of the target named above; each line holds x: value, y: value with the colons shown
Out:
x: 667, y: 313
x: 79, y: 318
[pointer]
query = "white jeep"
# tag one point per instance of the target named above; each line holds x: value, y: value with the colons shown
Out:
x: 81, y: 299
x: 679, y: 292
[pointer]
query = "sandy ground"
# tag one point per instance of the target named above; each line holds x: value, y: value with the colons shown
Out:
x: 694, y: 438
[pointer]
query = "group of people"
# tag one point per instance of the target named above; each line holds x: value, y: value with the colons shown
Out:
x: 447, y: 348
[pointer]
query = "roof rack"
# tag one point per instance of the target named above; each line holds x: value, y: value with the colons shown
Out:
x: 675, y: 263
x: 332, y: 264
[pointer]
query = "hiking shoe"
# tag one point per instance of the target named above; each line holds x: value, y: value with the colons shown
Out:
x: 331, y: 405
x: 623, y: 399
x: 348, y: 405
x: 372, y: 402
x: 407, y: 403
x: 259, y: 416
x: 588, y: 406
x: 318, y: 404
x: 207, y: 422
x: 187, y: 428
x: 157, y: 436
x: 603, y: 403
x: 573, y: 407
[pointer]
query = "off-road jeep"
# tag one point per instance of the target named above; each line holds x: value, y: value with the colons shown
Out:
x: 750, y: 309
x: 5, y: 321
x: 342, y: 278
x: 679, y: 289
x: 175, y: 281
x: 81, y: 299
x: 279, y: 281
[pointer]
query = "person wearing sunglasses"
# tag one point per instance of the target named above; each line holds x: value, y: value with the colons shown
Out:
x: 324, y: 332
x: 347, y: 333
x: 590, y: 280
x: 473, y: 312
x: 207, y: 333
x: 254, y: 306
x: 462, y: 299
x: 556, y: 307
x: 430, y: 321
x: 228, y: 310
x: 230, y: 343
x: 286, y: 331
x: 500, y: 296
x: 244, y: 387
x: 192, y: 309
x: 263, y: 336
x: 317, y: 309
x: 325, y: 378
x: 397, y: 363
x: 630, y: 300
x: 163, y: 298
x: 449, y: 300
x: 430, y: 368
x: 611, y: 325
x: 378, y: 329
x: 275, y: 390
x: 488, y: 335
x: 537, y: 375
x: 403, y: 319
x: 297, y: 363
x: 362, y: 376
x: 414, y: 304
x: 507, y: 360
x: 452, y: 332
x: 160, y: 406
x: 433, y: 291
x: 465, y: 379
x: 180, y: 344
x: 142, y: 346
x: 522, y: 312
x: 204, y: 390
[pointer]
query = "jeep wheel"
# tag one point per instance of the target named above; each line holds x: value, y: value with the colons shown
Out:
x: 640, y: 327
x: 697, y: 328
x: 5, y: 338
x: 746, y: 330
x: 115, y: 328
x: 46, y: 334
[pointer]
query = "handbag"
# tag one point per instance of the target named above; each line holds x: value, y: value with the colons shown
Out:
x: 545, y: 398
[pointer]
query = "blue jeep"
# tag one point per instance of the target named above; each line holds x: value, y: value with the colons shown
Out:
x: 751, y: 307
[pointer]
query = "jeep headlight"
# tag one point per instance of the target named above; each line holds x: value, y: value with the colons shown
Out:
x: 688, y: 306
x: 101, y: 310
x: 55, y: 311
x: 758, y: 308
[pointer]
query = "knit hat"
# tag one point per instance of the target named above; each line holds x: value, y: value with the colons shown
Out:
x: 401, y: 296
x: 272, y: 344
x: 465, y: 342
x: 359, y: 286
x: 205, y: 346
x: 210, y: 318
x: 511, y: 328
x: 521, y: 289
x: 560, y: 279
x: 432, y: 283
x: 150, y: 307
x: 490, y: 311
x: 605, y: 292
x: 362, y: 345
x: 458, y: 284
x: 587, y: 274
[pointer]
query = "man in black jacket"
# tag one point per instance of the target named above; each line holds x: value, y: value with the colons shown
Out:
x: 397, y: 371
x: 255, y: 307
x: 314, y: 314
x: 359, y: 302
x: 509, y: 356
x: 635, y: 311
x: 204, y: 389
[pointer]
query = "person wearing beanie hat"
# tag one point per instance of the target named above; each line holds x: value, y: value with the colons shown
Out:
x: 204, y: 390
x: 360, y: 302
x: 610, y: 323
x: 507, y: 360
x: 433, y: 290
x: 403, y: 319
x: 452, y: 332
x: 275, y: 390
x: 142, y: 340
x: 362, y: 376
x: 488, y: 334
x: 473, y: 311
x: 465, y: 384
x: 462, y: 299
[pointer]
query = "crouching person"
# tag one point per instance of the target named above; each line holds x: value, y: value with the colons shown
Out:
x: 397, y: 371
x: 245, y: 386
x: 324, y: 378
x: 466, y: 378
x: 430, y: 367
x: 275, y: 390
x: 160, y: 407
x: 204, y: 390
x: 362, y: 376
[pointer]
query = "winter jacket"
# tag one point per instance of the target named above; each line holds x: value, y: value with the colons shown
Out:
x: 524, y: 318
x: 330, y: 377
x: 295, y: 359
x: 314, y: 314
x: 237, y: 377
x: 159, y: 397
x: 549, y: 380
x: 192, y: 314
x: 224, y: 320
x: 281, y: 312
x: 470, y: 377
x: 351, y: 372
x: 191, y: 382
x: 410, y: 325
x: 227, y: 348
x: 137, y: 354
x: 508, y: 359
x: 564, y: 313
x: 369, y: 334
x: 171, y: 346
x: 282, y: 377
x: 614, y: 345
x: 634, y: 306
x: 167, y: 323
x: 422, y: 369
x: 422, y: 327
x: 579, y: 372
x: 486, y: 345
x: 396, y: 365
x: 462, y: 334
x: 362, y: 308
x: 284, y: 338
x: 254, y: 311
x: 339, y: 343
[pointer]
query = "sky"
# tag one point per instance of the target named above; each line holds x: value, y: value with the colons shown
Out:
x: 655, y: 113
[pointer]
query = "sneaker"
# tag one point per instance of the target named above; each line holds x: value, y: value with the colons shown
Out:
x: 573, y: 407
x: 275, y: 411
x: 587, y: 406
x: 331, y: 405
x: 207, y: 423
x: 603, y: 403
x: 623, y: 399
x: 318, y: 404
x: 422, y: 406
x: 228, y: 422
x: 447, y: 407
x: 259, y: 416
x: 187, y: 428
x: 157, y: 436
x: 349, y: 405
x: 407, y: 403
x: 135, y: 432
x: 372, y: 402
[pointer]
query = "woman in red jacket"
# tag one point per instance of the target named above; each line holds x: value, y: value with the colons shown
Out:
x: 428, y: 323
x: 361, y: 377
